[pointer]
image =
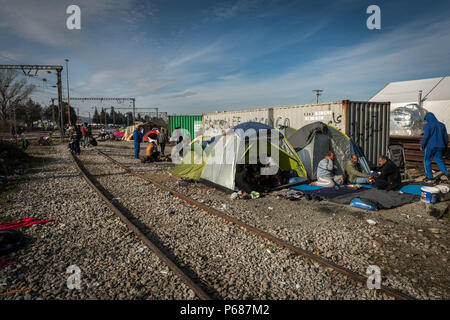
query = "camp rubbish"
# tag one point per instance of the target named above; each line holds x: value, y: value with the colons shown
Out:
x: 443, y: 188
x: 292, y: 195
x: 358, y: 203
x: 235, y: 195
x: 371, y: 222
x: 271, y: 250
x: 254, y: 195
x: 429, y: 194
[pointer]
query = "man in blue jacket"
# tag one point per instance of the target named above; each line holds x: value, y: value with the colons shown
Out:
x: 434, y: 141
x: 138, y: 134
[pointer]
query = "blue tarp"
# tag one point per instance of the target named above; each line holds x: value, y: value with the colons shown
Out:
x: 414, y: 189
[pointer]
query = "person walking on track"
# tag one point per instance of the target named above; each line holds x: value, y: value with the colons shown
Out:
x: 138, y: 134
x: 162, y: 140
x: 84, y: 135
x: 434, y: 142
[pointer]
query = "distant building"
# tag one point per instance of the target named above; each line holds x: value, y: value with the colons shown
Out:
x: 435, y: 96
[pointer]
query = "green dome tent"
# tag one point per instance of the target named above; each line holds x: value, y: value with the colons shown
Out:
x: 313, y: 141
x: 219, y: 161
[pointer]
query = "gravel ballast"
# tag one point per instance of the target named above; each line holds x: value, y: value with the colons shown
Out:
x: 114, y: 264
x: 410, y: 247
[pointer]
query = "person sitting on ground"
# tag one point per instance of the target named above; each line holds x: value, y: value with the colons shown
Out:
x: 92, y: 141
x: 151, y: 153
x: 389, y: 178
x: 326, y: 172
x: 270, y: 174
x: 354, y: 172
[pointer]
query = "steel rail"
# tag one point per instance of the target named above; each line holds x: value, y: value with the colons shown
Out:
x: 326, y: 263
x: 172, y: 266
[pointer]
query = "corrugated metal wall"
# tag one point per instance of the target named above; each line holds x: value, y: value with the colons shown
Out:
x: 191, y: 123
x: 368, y: 124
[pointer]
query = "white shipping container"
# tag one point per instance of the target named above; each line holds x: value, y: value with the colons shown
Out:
x: 291, y: 116
x: 366, y: 122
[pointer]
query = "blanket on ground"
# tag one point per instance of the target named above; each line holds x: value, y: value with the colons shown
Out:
x: 382, y: 199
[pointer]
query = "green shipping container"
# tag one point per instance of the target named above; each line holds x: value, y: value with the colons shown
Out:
x: 193, y: 124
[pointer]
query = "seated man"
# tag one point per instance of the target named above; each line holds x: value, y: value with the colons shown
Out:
x: 326, y: 170
x: 270, y: 177
x: 389, y: 178
x: 354, y: 172
x: 151, y: 153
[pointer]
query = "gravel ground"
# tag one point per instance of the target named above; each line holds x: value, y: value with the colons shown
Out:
x: 220, y: 254
x: 114, y: 264
x: 410, y: 247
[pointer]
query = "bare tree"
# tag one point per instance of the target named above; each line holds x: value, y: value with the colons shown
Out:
x: 12, y: 91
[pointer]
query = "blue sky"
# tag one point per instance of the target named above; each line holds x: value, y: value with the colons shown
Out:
x: 193, y: 57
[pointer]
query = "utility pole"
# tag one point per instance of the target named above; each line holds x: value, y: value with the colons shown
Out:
x: 53, y: 111
x: 29, y: 67
x: 68, y: 97
x: 318, y: 93
x: 134, y: 110
x: 61, y: 127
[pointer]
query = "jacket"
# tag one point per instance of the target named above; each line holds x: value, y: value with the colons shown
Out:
x: 435, y: 133
x: 78, y: 132
x: 390, y: 173
x: 150, y: 149
x: 353, y: 171
x: 162, y: 138
x: 83, y: 131
x: 325, y: 168
x: 137, y: 136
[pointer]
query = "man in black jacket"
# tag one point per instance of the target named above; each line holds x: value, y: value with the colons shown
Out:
x: 389, y: 178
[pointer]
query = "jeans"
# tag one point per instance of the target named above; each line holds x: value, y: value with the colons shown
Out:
x: 163, y: 145
x: 360, y: 180
x: 86, y: 141
x: 435, y: 153
x: 137, y: 148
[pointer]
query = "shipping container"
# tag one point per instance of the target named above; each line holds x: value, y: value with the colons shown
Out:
x: 190, y: 123
x: 366, y: 122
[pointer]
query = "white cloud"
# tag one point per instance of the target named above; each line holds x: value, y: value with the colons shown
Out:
x: 183, y: 94
x: 347, y: 73
x: 45, y: 21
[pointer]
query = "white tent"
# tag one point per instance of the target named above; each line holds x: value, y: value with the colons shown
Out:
x: 435, y: 96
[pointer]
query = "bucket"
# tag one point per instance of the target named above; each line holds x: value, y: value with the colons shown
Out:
x: 429, y: 194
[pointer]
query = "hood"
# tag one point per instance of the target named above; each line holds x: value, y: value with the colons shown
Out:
x: 430, y: 118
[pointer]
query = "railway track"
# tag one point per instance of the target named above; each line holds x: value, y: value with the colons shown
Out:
x: 201, y: 294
